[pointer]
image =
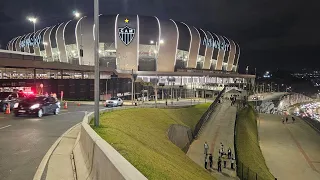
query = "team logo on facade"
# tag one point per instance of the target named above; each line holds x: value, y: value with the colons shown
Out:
x: 126, y: 34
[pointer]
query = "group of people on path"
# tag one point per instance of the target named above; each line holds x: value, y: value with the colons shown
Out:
x: 286, y: 119
x: 222, y: 157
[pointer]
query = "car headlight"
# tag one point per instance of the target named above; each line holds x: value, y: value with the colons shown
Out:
x: 16, y: 105
x: 35, y: 106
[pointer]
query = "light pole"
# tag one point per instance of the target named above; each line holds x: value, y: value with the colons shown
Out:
x: 107, y: 83
x: 96, y: 66
x: 76, y: 14
x: 156, y: 53
x: 34, y: 21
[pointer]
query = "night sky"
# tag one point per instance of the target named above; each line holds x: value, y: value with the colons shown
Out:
x: 271, y: 33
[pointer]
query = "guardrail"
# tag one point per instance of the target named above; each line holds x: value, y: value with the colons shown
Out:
x: 204, y: 118
x: 95, y: 159
x: 243, y: 172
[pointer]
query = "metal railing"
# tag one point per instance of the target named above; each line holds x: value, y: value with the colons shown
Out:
x: 244, y: 172
x: 204, y: 118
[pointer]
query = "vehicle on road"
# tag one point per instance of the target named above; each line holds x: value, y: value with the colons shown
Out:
x: 37, y: 105
x: 113, y: 102
x: 10, y: 98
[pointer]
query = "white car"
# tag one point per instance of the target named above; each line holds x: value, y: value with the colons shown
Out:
x: 114, y: 102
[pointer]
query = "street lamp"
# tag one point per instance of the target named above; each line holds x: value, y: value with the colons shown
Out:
x: 34, y: 21
x: 96, y: 65
x: 76, y: 14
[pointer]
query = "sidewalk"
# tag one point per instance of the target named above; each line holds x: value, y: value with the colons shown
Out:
x: 291, y: 150
x: 60, y: 165
x: 220, y: 128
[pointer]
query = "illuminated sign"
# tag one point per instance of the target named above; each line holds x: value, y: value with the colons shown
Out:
x: 126, y: 34
x: 216, y: 44
x: 32, y: 41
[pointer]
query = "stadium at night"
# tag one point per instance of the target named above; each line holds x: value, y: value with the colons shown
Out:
x: 150, y: 47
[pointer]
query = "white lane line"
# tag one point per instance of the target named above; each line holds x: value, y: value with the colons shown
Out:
x: 5, y: 127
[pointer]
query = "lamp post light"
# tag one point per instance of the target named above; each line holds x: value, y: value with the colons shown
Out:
x: 34, y: 21
x: 76, y: 14
x: 96, y: 65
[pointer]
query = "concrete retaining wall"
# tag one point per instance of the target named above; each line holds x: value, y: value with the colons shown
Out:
x: 95, y: 159
x: 181, y: 136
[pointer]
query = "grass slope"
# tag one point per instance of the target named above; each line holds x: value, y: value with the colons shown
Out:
x: 140, y: 135
x: 249, y: 152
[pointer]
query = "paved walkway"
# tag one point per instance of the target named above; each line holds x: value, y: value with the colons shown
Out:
x: 60, y: 165
x: 291, y: 151
x: 220, y: 128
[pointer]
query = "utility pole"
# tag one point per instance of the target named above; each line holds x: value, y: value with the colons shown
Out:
x: 132, y: 81
x: 96, y: 65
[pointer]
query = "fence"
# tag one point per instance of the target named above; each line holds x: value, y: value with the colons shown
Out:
x: 204, y: 118
x: 244, y: 172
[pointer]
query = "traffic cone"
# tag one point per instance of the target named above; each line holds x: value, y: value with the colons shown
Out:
x: 65, y: 105
x: 8, y: 109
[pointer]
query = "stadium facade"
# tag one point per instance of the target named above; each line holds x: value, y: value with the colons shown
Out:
x: 139, y: 43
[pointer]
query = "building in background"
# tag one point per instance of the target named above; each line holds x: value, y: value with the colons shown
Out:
x: 139, y: 43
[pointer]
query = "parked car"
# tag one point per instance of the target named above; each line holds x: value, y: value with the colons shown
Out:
x: 10, y: 98
x: 113, y: 102
x: 37, y: 105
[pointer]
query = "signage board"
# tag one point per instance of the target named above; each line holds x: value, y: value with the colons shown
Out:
x: 208, y: 42
x: 31, y: 41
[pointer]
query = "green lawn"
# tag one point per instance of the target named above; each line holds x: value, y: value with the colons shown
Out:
x: 249, y: 152
x: 140, y: 135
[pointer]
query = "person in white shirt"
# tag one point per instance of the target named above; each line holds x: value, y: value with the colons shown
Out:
x: 206, y: 148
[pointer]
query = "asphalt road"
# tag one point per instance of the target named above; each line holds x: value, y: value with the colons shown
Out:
x: 25, y: 140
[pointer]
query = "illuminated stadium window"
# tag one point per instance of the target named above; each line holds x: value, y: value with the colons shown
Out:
x: 200, y: 62
x: 213, y: 64
x: 224, y: 66
x: 182, y: 59
x: 148, y: 55
x: 107, y: 54
x: 72, y: 53
x: 44, y: 55
x: 55, y: 54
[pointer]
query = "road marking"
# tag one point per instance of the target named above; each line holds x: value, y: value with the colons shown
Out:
x: 5, y: 127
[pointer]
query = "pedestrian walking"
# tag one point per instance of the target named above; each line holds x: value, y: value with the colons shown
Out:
x: 229, y: 153
x: 206, y: 147
x: 287, y: 119
x: 293, y: 119
x: 232, y: 162
x: 205, y: 162
x: 283, y: 120
x: 219, y: 164
x: 210, y: 160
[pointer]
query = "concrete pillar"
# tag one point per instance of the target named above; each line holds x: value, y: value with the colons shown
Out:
x: 203, y: 94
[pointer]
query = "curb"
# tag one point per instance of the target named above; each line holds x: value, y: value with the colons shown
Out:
x: 45, y: 159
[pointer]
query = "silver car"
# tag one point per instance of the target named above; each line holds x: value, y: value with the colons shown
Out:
x: 113, y: 102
